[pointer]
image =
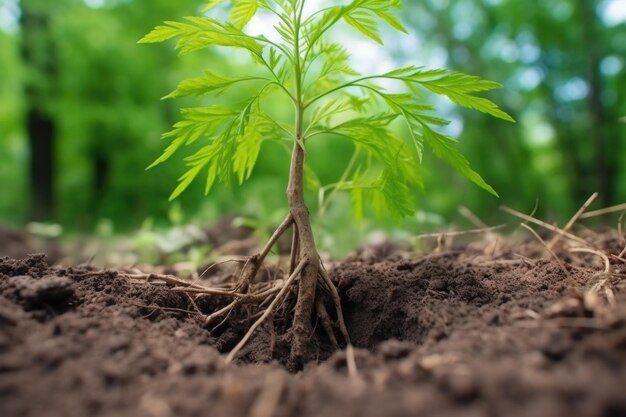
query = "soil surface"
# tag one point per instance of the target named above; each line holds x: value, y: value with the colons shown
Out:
x: 507, y: 331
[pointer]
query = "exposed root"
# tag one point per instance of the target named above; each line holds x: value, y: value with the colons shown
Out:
x: 305, y: 268
x: 211, y: 317
x: 607, y: 264
x: 233, y: 353
x: 251, y: 268
x: 322, y: 314
x: 335, y: 297
x: 550, y: 251
x: 170, y: 309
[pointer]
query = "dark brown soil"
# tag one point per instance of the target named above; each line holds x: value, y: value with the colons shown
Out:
x: 451, y: 334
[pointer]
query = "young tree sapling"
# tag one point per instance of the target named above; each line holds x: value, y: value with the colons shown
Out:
x: 303, y: 64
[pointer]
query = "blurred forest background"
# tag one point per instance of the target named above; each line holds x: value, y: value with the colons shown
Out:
x: 80, y: 115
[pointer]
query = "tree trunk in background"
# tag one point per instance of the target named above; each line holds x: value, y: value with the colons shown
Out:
x: 605, y: 169
x: 40, y: 63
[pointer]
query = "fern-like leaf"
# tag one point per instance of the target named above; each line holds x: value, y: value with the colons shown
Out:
x: 209, y: 83
x: 242, y: 12
x: 196, y: 122
x: 445, y: 148
x: 457, y: 86
x: 391, y: 189
x: 202, y: 32
x: 211, y: 4
x: 315, y: 74
x: 364, y: 23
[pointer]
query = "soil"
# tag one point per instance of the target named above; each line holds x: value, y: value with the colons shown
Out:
x: 471, y: 331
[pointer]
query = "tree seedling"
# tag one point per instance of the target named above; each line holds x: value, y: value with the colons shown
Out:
x: 301, y: 63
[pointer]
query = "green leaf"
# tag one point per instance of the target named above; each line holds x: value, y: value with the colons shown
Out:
x: 202, y: 32
x: 393, y: 21
x: 211, y: 4
x: 360, y: 14
x: 458, y: 88
x: 357, y: 202
x: 444, y: 147
x: 392, y: 195
x: 242, y: 12
x: 209, y: 83
x: 391, y: 189
x: 287, y: 31
x: 234, y: 136
x: 162, y: 33
x: 248, y: 147
x: 316, y: 25
x: 186, y: 180
x: 386, y: 169
x: 196, y: 122
x: 336, y: 59
x: 365, y: 24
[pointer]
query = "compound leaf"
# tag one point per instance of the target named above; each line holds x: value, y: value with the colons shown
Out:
x: 206, y: 84
x: 202, y: 32
x: 211, y: 4
x: 364, y: 23
x: 444, y: 147
x: 242, y: 12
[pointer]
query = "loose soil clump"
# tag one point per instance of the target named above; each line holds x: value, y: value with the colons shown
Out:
x: 454, y: 333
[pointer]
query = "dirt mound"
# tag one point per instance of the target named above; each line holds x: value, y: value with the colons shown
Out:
x: 446, y: 334
x: 18, y: 244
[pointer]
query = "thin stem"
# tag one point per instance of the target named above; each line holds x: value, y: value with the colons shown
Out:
x: 337, y: 186
x: 277, y: 124
x: 257, y: 260
x: 275, y: 236
x: 276, y: 45
x: 298, y: 78
x: 285, y: 89
x: 354, y: 83
x: 341, y: 87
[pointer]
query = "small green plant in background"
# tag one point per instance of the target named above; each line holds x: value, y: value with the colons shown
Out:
x: 304, y: 65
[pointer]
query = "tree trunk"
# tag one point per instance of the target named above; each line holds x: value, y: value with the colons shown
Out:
x: 604, y: 163
x: 302, y: 329
x: 40, y: 60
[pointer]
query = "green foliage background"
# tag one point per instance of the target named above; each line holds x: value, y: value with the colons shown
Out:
x: 561, y: 63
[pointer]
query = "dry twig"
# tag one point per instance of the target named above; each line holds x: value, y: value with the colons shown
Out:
x: 544, y: 224
x: 605, y: 258
x: 556, y: 258
x: 601, y: 212
x: 474, y: 219
x: 353, y: 372
x: 461, y: 232
x: 573, y: 220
